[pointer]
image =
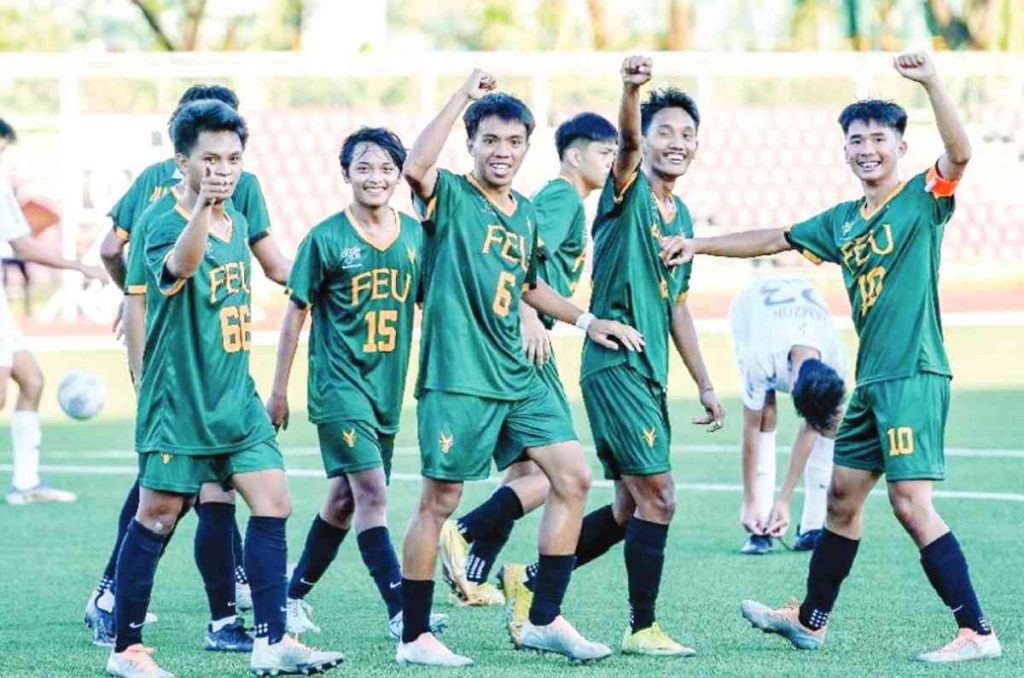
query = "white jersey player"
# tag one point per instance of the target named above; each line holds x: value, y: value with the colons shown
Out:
x: 785, y: 342
x: 15, y: 361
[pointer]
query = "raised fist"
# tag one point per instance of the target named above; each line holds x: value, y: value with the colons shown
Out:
x: 636, y: 70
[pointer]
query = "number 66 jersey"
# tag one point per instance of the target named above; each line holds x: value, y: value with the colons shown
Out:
x: 769, y: 317
x: 196, y: 396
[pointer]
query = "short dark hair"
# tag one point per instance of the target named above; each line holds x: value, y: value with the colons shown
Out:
x: 201, y: 92
x: 205, y: 116
x: 586, y: 127
x: 667, y: 97
x: 500, y: 105
x: 379, y: 136
x: 7, y: 132
x: 885, y: 113
x: 818, y: 393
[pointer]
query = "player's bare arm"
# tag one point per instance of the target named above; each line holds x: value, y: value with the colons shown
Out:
x: 274, y: 263
x: 188, y: 250
x: 134, y: 326
x: 291, y: 326
x: 32, y: 251
x: 636, y: 72
x: 112, y: 255
x: 536, y: 341
x: 420, y: 169
x: 684, y: 336
x: 920, y: 68
x: 778, y: 520
x: 607, y: 333
x: 676, y: 250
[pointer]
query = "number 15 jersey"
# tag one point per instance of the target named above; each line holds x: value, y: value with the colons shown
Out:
x: 196, y: 396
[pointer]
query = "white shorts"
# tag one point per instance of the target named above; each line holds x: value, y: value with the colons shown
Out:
x: 11, y: 339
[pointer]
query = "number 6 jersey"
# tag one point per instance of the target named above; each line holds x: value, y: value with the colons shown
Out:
x: 196, y: 396
x: 362, y: 295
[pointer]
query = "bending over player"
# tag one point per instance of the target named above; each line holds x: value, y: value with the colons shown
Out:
x: 785, y: 342
x: 887, y: 244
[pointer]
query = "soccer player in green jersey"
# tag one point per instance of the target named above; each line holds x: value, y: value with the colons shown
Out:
x: 586, y: 146
x: 200, y: 419
x: 358, y: 274
x: 887, y: 244
x: 155, y: 191
x: 624, y: 393
x: 478, y: 396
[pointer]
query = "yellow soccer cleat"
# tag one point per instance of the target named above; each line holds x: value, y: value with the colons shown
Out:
x: 477, y: 595
x: 518, y: 600
x: 454, y: 554
x: 653, y: 642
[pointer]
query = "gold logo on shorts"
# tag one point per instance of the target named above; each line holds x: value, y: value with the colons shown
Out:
x: 350, y: 437
x: 649, y: 435
x: 167, y: 457
x: 663, y: 288
x: 446, y: 442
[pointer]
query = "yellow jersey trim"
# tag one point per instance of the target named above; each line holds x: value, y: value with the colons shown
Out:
x: 621, y: 195
x: 379, y: 245
x: 178, y: 284
x: 866, y: 214
x: 810, y: 256
x: 122, y: 234
x: 136, y: 289
x: 487, y: 196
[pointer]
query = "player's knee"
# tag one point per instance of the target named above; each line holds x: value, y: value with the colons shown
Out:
x: 160, y: 517
x: 573, y: 481
x: 373, y: 498
x: 31, y: 384
x: 340, y: 507
x: 440, y: 500
x: 660, y: 502
x: 913, y: 512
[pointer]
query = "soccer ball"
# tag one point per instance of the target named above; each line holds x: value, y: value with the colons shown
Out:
x: 82, y: 394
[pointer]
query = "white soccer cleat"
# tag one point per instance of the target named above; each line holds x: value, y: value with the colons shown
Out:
x: 427, y: 650
x: 561, y: 638
x: 299, y: 617
x: 438, y: 623
x: 969, y: 645
x: 243, y: 597
x: 135, y: 662
x: 290, y: 657
x: 39, y: 494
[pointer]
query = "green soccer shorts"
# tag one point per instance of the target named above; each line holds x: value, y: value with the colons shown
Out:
x: 897, y: 427
x: 548, y: 373
x: 354, y: 446
x: 460, y: 434
x: 185, y: 473
x: 629, y: 420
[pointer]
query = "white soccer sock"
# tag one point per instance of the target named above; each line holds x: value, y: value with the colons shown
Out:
x: 764, y: 485
x: 817, y: 476
x: 26, y: 435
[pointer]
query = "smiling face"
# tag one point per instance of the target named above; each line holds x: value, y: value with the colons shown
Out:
x: 873, y: 151
x: 670, y: 144
x: 373, y: 175
x: 498, y: 149
x: 219, y: 152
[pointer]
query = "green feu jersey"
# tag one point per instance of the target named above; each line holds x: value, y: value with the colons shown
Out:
x: 477, y: 257
x: 247, y: 199
x: 631, y: 284
x: 362, y: 295
x: 155, y: 182
x: 196, y: 396
x: 562, y: 237
x: 890, y: 262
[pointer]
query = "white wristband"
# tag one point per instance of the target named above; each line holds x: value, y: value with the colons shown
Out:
x: 583, y: 322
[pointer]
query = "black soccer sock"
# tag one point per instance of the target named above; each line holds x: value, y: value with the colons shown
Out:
x: 484, y: 551
x: 136, y: 567
x: 944, y: 563
x: 321, y: 549
x: 645, y: 559
x: 501, y: 508
x: 381, y: 560
x: 215, y: 558
x: 417, y: 596
x: 266, y: 560
x: 830, y: 564
x: 553, y: 575
x: 236, y: 547
x: 599, y: 533
x: 128, y: 511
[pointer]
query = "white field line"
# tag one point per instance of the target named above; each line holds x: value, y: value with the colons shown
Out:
x: 72, y: 469
x: 413, y: 451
